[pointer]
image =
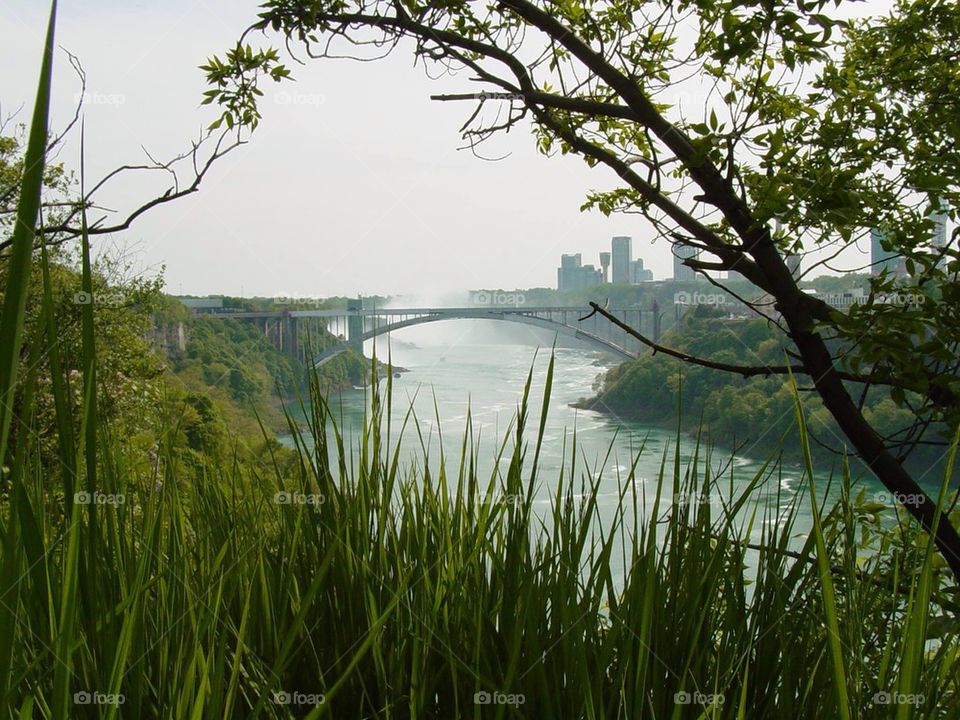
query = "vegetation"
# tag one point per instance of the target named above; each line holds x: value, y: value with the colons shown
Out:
x: 343, y: 581
x: 753, y: 414
x: 807, y: 129
x: 376, y: 590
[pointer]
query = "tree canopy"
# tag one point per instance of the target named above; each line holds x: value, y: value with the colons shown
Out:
x: 749, y: 130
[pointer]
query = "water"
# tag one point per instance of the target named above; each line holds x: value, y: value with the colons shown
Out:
x: 449, y: 377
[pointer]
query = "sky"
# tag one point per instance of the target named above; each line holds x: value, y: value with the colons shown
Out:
x: 353, y: 183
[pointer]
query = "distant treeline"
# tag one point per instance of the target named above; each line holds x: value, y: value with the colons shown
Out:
x: 756, y: 414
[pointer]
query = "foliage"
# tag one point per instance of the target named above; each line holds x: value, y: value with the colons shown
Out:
x: 829, y: 126
x: 367, y: 587
x: 131, y: 391
x: 753, y: 414
x: 807, y: 130
x: 57, y: 182
x: 351, y: 584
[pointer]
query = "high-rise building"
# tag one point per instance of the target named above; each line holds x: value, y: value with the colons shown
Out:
x: 882, y: 259
x: 637, y: 272
x: 793, y: 264
x: 622, y: 247
x: 939, y: 216
x: 681, y: 253
x: 939, y: 240
x: 573, y: 275
x: 605, y: 266
x: 791, y: 259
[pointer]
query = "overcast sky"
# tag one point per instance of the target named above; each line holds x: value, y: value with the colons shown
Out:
x: 354, y: 186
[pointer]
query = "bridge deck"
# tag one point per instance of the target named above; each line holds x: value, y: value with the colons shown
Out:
x: 481, y: 311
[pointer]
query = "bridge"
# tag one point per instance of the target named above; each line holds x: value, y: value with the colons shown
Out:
x: 355, y: 324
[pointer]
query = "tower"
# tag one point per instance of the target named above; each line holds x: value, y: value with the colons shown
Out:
x: 622, y: 247
x: 681, y: 253
x: 605, y: 265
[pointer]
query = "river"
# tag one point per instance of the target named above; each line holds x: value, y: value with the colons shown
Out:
x: 448, y: 375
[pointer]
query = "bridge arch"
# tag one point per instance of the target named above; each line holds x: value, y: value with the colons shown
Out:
x: 560, y: 328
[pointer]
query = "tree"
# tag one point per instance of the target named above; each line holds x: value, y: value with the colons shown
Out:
x: 811, y: 129
x: 40, y: 207
x: 63, y: 201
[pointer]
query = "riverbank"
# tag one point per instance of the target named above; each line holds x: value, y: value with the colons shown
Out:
x: 752, y: 415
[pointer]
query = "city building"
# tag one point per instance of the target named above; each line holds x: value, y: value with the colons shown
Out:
x: 844, y: 299
x: 573, y: 274
x: 793, y: 264
x: 622, y: 247
x: 203, y: 305
x: 939, y: 240
x: 638, y: 274
x: 939, y: 216
x: 605, y: 265
x: 681, y: 253
x: 882, y: 259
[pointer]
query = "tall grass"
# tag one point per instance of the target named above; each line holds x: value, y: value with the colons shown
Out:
x: 363, y: 586
x: 359, y: 584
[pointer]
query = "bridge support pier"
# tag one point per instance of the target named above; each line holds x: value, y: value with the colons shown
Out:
x: 289, y: 342
x: 355, y: 325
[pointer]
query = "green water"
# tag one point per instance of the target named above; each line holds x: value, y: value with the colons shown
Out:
x: 447, y: 379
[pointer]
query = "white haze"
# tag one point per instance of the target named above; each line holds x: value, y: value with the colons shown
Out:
x: 358, y: 189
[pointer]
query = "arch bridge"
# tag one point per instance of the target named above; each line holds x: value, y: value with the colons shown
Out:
x: 357, y: 324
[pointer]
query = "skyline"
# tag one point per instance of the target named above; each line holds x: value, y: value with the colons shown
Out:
x: 267, y: 220
x: 329, y: 184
